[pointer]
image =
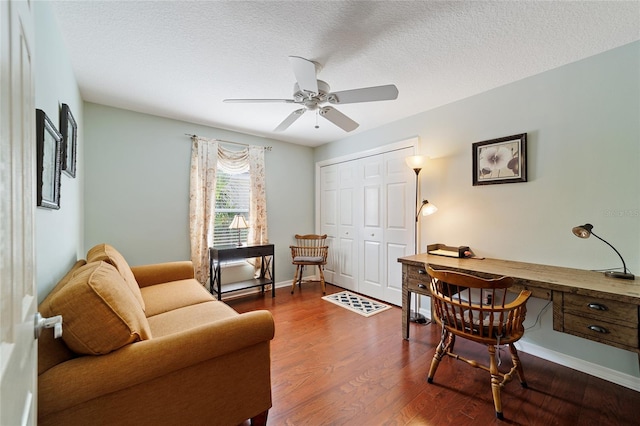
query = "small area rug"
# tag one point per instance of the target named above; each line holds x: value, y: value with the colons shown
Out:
x: 356, y: 303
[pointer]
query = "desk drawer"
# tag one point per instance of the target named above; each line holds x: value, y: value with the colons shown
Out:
x: 602, y: 320
x: 601, y: 309
x: 259, y: 251
x: 417, y: 280
x: 601, y: 331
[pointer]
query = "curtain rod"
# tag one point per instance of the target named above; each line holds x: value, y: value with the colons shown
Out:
x: 267, y: 148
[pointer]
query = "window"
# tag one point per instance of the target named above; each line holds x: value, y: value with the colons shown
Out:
x: 232, y: 198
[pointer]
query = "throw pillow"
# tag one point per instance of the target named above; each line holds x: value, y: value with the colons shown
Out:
x: 107, y: 253
x: 99, y: 313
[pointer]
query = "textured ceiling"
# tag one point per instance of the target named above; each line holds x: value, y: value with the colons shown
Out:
x: 180, y: 59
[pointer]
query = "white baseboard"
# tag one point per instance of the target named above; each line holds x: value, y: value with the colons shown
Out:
x: 613, y: 376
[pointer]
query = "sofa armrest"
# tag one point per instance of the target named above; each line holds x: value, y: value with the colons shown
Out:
x: 159, y: 273
x: 82, y: 379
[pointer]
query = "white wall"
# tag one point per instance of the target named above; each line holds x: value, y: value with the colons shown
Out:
x: 137, y: 186
x: 583, y: 126
x: 58, y: 232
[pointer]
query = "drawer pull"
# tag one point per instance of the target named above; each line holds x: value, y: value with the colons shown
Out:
x: 422, y: 272
x: 597, y: 307
x: 598, y: 329
x: 422, y: 286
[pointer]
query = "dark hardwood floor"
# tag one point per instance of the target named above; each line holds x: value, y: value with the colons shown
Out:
x: 331, y: 366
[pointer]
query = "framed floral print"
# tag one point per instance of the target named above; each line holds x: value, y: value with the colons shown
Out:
x: 49, y: 159
x: 502, y: 160
x: 69, y: 131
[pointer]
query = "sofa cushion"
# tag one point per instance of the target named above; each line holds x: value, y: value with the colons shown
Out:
x: 165, y: 297
x: 100, y: 314
x: 107, y: 253
x: 188, y: 317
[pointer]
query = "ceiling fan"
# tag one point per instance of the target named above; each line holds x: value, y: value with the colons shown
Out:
x: 313, y: 94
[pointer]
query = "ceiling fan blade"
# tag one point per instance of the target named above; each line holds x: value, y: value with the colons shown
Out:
x: 366, y: 94
x: 339, y: 119
x: 305, y: 72
x: 290, y: 119
x: 242, y: 101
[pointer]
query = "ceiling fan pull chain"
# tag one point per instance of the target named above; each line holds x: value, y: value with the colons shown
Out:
x: 317, y: 114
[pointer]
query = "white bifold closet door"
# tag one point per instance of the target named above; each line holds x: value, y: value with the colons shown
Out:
x: 366, y: 209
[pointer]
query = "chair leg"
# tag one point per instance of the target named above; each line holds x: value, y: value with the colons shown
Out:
x: 495, y: 381
x: 451, y: 342
x: 517, y: 365
x: 441, y: 351
x: 295, y: 278
x: 324, y: 289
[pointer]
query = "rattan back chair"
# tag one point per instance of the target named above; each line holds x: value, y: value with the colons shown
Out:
x: 476, y: 309
x: 310, y: 250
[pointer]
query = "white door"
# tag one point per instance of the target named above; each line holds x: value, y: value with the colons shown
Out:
x: 399, y: 220
x: 18, y: 349
x: 372, y: 265
x: 329, y: 217
x: 346, y: 244
x: 367, y: 211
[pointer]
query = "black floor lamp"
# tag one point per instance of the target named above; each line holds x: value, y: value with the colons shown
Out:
x: 417, y: 163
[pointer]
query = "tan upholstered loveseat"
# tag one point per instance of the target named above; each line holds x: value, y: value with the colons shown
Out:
x: 149, y: 345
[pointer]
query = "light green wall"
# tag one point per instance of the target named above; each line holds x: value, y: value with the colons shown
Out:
x: 137, y: 186
x: 583, y: 126
x: 58, y: 233
x: 136, y: 177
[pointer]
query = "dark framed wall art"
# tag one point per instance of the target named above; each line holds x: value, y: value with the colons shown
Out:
x: 69, y: 131
x: 502, y: 160
x: 49, y: 159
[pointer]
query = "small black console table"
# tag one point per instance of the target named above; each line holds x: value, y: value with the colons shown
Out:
x: 219, y: 254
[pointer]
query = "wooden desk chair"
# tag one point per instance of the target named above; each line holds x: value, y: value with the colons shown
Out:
x: 475, y: 309
x: 310, y: 250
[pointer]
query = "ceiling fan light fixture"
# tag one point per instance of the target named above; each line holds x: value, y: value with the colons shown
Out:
x: 312, y: 93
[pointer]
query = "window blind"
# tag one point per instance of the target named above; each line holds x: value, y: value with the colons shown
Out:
x: 232, y: 198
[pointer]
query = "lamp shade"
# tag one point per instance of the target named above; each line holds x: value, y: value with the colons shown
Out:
x: 583, y: 231
x: 416, y: 162
x: 239, y: 222
x: 428, y: 208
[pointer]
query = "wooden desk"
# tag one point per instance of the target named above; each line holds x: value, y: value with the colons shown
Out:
x: 585, y: 303
x: 220, y: 254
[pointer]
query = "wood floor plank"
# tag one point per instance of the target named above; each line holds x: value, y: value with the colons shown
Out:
x: 331, y: 366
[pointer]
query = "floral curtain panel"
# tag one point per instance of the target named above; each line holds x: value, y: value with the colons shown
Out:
x: 202, y: 202
x: 258, y: 199
x: 206, y: 156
